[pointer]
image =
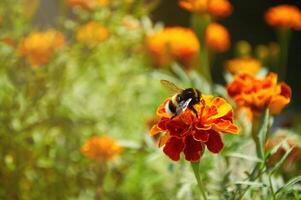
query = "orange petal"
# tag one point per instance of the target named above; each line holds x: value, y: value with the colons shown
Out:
x: 278, y: 102
x: 161, y: 110
x: 164, y: 139
x: 223, y: 108
x: 155, y: 130
x: 225, y: 126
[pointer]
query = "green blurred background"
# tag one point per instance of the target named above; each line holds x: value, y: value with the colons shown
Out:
x: 246, y: 23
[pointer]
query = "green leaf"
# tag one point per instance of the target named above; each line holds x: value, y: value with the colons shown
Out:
x: 275, y: 149
x: 288, y: 186
x: 250, y: 183
x: 200, y: 82
x: 262, y: 135
x: 177, y: 69
x: 246, y: 157
x: 280, y: 162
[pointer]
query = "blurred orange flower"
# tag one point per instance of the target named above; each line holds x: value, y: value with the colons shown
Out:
x: 9, y: 41
x: 293, y: 161
x: 217, y: 8
x: 243, y: 65
x: 284, y: 16
x: 87, y: 4
x: 190, y: 134
x: 258, y: 93
x: 92, y: 34
x: 173, y: 44
x: 38, y: 47
x: 101, y: 148
x: 217, y: 38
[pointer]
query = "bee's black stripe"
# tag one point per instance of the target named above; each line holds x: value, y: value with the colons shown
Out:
x: 172, y: 107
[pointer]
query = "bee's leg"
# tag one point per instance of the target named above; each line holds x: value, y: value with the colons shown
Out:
x: 173, y: 116
x: 194, y: 111
x: 203, y: 102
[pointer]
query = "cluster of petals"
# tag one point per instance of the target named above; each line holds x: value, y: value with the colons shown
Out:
x: 243, y: 65
x: 173, y: 44
x: 92, y: 34
x: 102, y: 148
x: 191, y: 134
x: 217, y: 37
x: 284, y: 16
x: 87, y: 4
x: 38, y: 47
x: 217, y: 8
x: 259, y: 93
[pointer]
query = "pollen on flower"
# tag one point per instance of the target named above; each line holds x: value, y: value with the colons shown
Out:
x: 173, y: 44
x: 284, y: 16
x: 217, y: 8
x: 191, y: 134
x: 217, y: 38
x: 92, y: 34
x: 38, y: 47
x: 243, y: 65
x: 101, y: 148
x: 259, y: 93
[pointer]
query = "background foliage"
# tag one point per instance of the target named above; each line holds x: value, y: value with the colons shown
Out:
x: 47, y: 113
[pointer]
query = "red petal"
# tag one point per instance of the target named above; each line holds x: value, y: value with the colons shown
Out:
x: 215, y: 143
x: 162, y: 123
x: 193, y: 149
x: 201, y: 135
x: 173, y: 148
x: 175, y: 127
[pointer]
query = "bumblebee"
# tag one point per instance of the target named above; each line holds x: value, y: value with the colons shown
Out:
x: 183, y: 99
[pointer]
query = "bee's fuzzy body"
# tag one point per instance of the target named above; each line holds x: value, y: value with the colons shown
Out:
x: 173, y: 106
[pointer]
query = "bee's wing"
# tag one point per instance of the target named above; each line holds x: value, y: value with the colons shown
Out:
x: 183, y: 106
x: 171, y: 86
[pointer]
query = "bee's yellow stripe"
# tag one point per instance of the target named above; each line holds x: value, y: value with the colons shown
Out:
x: 174, y: 100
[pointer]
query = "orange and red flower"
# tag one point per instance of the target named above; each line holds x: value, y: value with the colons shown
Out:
x: 218, y: 8
x: 259, y: 93
x: 173, y: 44
x: 92, y: 34
x: 284, y: 16
x: 217, y: 37
x: 243, y: 65
x: 39, y: 47
x: 191, y: 134
x: 101, y: 148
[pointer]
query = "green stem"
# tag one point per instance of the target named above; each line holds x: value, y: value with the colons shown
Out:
x: 283, y: 39
x: 271, y: 188
x: 199, y: 23
x: 255, y: 132
x: 196, y: 167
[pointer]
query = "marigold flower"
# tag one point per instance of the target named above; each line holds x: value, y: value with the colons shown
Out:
x: 87, y: 4
x: 259, y: 93
x: 38, y: 47
x: 173, y: 44
x: 101, y: 148
x: 293, y: 160
x: 284, y: 16
x: 190, y: 134
x: 217, y: 37
x: 92, y: 33
x: 243, y: 65
x: 218, y: 8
